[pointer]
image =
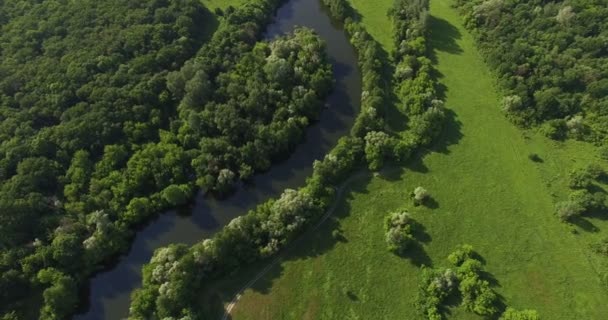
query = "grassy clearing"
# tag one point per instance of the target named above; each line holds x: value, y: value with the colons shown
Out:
x: 488, y: 194
x: 374, y: 18
x: 222, y: 4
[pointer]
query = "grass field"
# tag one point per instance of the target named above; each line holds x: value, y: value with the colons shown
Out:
x: 222, y: 4
x: 487, y: 193
x: 374, y: 18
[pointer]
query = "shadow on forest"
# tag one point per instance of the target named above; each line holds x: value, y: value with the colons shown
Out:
x: 211, y: 24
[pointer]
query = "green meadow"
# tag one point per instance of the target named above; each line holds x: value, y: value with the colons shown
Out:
x: 486, y: 192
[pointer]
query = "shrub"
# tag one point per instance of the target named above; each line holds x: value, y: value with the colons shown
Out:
x: 461, y: 254
x: 477, y: 296
x: 579, y: 179
x: 511, y: 103
x: 398, y: 226
x: 434, y: 287
x: 566, y: 210
x: 512, y: 314
x: 420, y: 194
x: 555, y: 129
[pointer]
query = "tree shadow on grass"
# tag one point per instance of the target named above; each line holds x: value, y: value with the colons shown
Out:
x: 443, y: 36
x: 315, y: 241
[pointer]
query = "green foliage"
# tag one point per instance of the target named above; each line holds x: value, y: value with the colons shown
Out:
x: 461, y: 254
x: 555, y: 129
x: 475, y: 291
x: 420, y: 194
x: 377, y: 146
x: 434, y: 287
x: 398, y: 227
x: 60, y: 297
x: 548, y: 78
x: 110, y: 116
x: 580, y: 179
x: 512, y: 314
x: 567, y: 210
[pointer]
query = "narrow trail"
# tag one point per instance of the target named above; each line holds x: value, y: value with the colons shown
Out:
x: 276, y: 260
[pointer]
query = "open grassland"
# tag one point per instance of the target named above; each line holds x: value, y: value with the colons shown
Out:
x: 486, y: 193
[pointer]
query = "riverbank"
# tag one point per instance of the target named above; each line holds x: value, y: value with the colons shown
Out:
x: 488, y: 194
x: 110, y: 290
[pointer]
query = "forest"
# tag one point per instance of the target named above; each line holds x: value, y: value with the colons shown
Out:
x: 112, y: 111
x: 551, y: 60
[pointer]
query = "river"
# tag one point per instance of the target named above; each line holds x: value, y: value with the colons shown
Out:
x: 109, y: 290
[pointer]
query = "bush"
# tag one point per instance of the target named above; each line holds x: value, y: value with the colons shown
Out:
x: 567, y: 210
x: 398, y: 226
x: 476, y: 292
x: 511, y: 103
x: 420, y: 194
x: 580, y: 179
x: 555, y: 129
x: 461, y: 254
x: 512, y: 314
x: 435, y: 286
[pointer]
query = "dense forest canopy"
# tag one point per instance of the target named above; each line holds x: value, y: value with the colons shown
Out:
x: 552, y: 59
x: 78, y: 78
x: 103, y: 124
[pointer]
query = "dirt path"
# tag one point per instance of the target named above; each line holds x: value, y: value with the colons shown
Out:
x: 276, y: 260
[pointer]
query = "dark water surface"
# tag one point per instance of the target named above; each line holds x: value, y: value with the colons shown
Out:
x: 110, y: 290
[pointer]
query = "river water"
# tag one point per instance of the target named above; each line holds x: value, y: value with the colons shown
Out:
x: 109, y: 290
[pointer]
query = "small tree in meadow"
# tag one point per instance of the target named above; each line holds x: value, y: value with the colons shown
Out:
x: 420, y: 194
x: 398, y: 226
x: 567, y: 210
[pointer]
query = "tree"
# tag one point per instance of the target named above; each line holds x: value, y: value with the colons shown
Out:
x: 377, y: 145
x: 398, y: 228
x: 568, y: 210
x: 176, y: 195
x: 564, y: 15
x: 555, y: 129
x: 61, y: 297
x: 420, y: 194
x: 580, y: 179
